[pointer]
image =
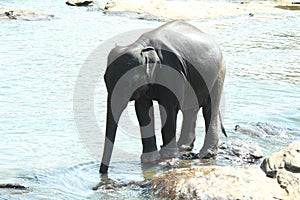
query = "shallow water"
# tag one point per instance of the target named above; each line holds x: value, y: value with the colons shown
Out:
x: 40, y: 60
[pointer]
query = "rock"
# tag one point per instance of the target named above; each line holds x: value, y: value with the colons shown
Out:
x: 285, y: 167
x: 289, y: 7
x: 288, y: 4
x: 248, y: 130
x: 109, y: 184
x: 241, y: 151
x: 10, y: 14
x: 79, y: 3
x: 290, y: 182
x: 295, y: 195
x: 164, y: 9
x: 13, y: 186
x: 264, y: 130
x: 215, y: 182
x: 287, y: 159
x: 236, y: 151
x: 28, y: 15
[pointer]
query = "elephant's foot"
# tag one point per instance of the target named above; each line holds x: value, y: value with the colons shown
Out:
x: 186, y: 144
x: 150, y: 157
x: 185, y: 147
x: 168, y: 152
x: 208, y: 152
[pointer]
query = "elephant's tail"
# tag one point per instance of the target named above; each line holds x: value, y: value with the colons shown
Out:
x: 222, y: 126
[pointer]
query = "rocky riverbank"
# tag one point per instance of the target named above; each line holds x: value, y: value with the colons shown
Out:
x: 161, y: 9
x: 281, y: 180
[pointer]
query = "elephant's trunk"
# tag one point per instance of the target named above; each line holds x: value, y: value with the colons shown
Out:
x: 112, y: 119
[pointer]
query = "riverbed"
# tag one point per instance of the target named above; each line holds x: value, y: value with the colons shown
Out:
x: 40, y: 144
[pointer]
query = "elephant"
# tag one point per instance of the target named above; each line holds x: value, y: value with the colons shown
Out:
x: 181, y: 68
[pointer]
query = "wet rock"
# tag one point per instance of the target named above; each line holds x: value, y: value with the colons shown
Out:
x: 79, y: 3
x: 110, y: 184
x: 264, y: 130
x: 214, y: 182
x: 285, y: 167
x: 189, y: 156
x: 13, y: 186
x: 236, y: 151
x: 249, y: 130
x: 28, y: 15
x: 241, y: 151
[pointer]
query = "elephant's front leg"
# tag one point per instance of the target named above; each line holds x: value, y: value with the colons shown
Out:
x: 168, y: 113
x: 145, y: 115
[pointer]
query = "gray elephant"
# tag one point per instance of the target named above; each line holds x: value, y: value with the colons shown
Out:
x: 181, y: 68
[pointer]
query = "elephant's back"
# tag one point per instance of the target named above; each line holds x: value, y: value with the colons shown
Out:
x: 182, y: 32
x: 189, y: 43
x: 183, y: 38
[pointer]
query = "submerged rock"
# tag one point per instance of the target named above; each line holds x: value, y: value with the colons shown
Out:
x: 215, y: 182
x: 238, y: 150
x: 264, y: 130
x: 27, y: 15
x: 285, y: 167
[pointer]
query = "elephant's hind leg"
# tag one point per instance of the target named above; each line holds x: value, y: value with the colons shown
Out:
x: 145, y: 115
x: 188, y: 136
x: 212, y: 122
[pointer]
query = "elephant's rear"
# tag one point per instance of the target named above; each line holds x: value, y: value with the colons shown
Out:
x: 196, y: 50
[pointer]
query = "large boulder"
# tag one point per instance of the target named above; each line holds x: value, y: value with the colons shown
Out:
x: 236, y: 182
x: 285, y: 167
x: 216, y: 182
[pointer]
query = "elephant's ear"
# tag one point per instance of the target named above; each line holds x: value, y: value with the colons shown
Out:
x: 151, y: 61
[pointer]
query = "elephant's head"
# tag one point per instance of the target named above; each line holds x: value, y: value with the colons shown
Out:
x: 129, y: 70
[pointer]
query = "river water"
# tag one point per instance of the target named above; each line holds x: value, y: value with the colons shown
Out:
x: 40, y: 145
